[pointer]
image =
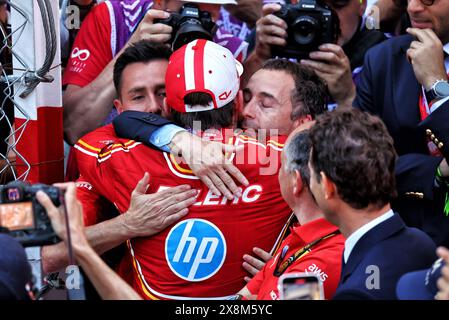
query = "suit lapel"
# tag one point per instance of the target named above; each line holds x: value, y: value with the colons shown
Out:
x: 380, y: 232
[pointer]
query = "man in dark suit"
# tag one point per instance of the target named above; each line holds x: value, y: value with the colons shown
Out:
x: 353, y: 181
x: 404, y: 82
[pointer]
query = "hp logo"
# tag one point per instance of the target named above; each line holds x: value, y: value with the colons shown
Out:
x: 195, y: 249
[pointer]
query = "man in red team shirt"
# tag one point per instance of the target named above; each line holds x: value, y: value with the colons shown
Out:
x: 200, y: 257
x: 323, y: 259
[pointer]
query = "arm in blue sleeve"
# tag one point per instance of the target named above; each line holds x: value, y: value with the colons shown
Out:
x: 161, y: 137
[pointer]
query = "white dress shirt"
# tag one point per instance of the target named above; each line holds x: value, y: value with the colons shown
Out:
x: 357, y: 235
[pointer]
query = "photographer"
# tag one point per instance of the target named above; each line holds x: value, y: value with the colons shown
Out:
x: 338, y: 64
x: 108, y: 284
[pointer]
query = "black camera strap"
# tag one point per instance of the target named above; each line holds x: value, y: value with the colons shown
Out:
x: 67, y: 228
x: 282, y: 266
x: 79, y: 293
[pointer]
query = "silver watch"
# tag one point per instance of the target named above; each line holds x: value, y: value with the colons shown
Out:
x: 440, y: 89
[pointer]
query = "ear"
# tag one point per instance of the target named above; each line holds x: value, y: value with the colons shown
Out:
x: 301, y: 120
x: 118, y: 105
x: 298, y: 185
x: 166, y: 111
x: 330, y: 190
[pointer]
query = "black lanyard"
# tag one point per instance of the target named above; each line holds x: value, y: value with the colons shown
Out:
x: 281, y: 267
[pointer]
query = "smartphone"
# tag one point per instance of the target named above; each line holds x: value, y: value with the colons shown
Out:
x: 300, y: 286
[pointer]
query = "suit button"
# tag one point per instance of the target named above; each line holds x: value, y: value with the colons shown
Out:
x: 428, y: 132
x: 436, y: 141
x: 440, y: 145
x: 432, y: 136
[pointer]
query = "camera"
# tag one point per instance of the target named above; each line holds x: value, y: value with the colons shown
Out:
x: 189, y: 24
x: 309, y: 24
x: 23, y: 217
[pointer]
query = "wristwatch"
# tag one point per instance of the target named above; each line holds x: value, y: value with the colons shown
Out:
x: 440, y: 89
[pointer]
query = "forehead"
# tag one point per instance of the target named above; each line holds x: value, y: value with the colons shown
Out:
x: 140, y: 73
x: 274, y: 82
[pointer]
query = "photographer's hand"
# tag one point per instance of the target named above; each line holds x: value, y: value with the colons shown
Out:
x: 426, y: 56
x: 270, y: 30
x: 154, y: 32
x: 332, y: 65
x: 74, y: 213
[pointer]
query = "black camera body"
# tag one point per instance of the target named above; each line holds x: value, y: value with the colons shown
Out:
x: 23, y: 217
x: 310, y: 24
x: 189, y: 24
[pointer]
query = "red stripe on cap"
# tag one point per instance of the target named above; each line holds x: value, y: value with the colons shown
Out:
x: 198, y: 63
x: 175, y: 80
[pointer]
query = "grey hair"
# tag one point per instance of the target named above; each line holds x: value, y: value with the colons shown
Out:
x: 297, y: 155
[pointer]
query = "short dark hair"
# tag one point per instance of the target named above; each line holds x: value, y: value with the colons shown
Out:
x: 310, y: 95
x: 297, y: 154
x: 211, y: 119
x: 141, y: 51
x: 356, y: 152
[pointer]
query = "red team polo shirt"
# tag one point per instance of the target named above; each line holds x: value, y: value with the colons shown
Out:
x: 324, y: 260
x: 91, y: 51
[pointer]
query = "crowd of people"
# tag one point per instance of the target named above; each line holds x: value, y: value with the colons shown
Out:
x: 212, y: 170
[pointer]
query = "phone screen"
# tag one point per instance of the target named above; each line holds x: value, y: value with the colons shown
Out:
x: 17, y: 216
x: 300, y: 287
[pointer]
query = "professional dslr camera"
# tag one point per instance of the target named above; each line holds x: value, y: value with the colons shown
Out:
x: 189, y: 24
x: 23, y: 217
x: 310, y: 24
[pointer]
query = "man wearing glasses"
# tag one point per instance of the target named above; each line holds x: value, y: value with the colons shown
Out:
x: 405, y: 82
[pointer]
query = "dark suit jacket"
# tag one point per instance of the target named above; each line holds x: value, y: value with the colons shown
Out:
x: 138, y: 125
x: 388, y: 88
x: 391, y: 247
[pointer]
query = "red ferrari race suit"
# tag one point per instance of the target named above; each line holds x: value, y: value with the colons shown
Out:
x: 201, y: 255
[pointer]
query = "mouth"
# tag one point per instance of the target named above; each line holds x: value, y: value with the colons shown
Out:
x: 421, y: 24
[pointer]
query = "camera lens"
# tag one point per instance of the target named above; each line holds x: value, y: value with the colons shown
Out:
x: 189, y: 30
x: 305, y: 29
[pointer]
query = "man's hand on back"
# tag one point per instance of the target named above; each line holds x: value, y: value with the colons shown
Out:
x: 208, y: 161
x: 149, y: 214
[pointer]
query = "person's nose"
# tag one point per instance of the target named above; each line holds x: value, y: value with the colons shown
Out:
x: 153, y: 104
x: 415, y: 6
x: 249, y: 110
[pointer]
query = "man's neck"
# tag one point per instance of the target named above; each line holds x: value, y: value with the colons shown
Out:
x: 353, y: 219
x: 307, y: 211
